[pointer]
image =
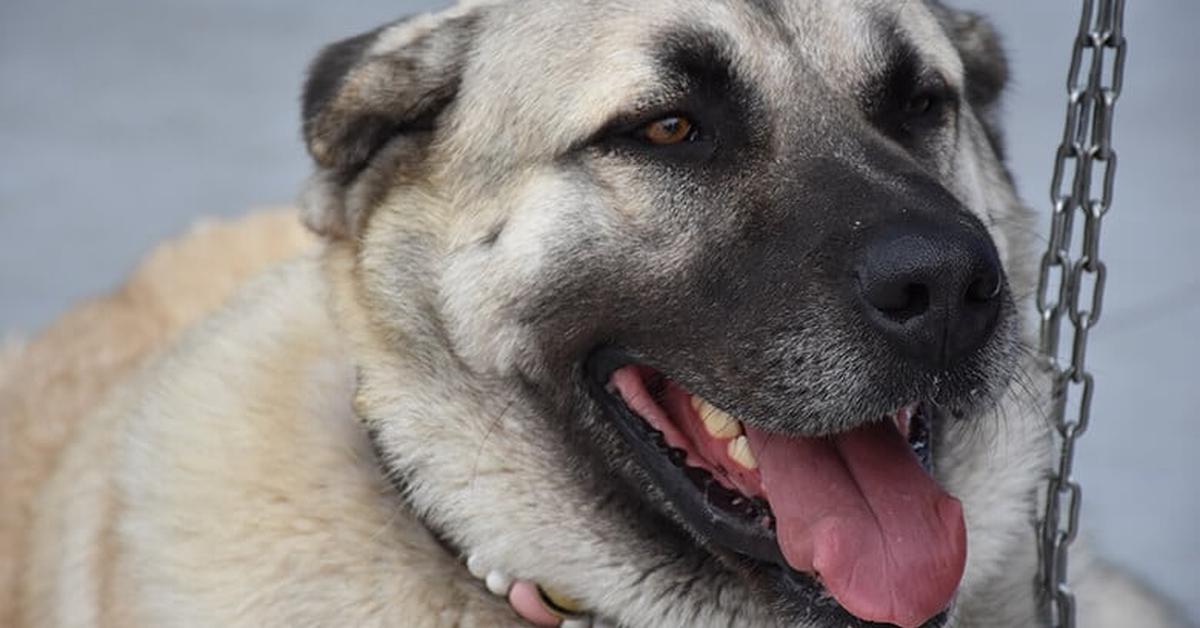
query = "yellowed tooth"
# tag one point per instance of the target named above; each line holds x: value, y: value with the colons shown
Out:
x: 721, y: 425
x: 739, y: 450
x: 717, y: 423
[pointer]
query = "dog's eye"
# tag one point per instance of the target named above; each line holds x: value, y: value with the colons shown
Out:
x: 916, y: 110
x: 930, y: 103
x: 669, y: 131
x: 920, y: 104
x: 667, y: 137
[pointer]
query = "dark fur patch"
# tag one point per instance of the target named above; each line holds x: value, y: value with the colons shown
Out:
x: 907, y: 79
x: 703, y: 59
x: 701, y: 83
x: 356, y: 102
x: 329, y: 69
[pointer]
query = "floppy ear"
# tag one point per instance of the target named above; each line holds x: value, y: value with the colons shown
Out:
x: 372, y: 98
x: 978, y: 44
x: 983, y: 56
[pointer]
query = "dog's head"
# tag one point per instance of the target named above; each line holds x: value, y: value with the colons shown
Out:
x: 667, y: 303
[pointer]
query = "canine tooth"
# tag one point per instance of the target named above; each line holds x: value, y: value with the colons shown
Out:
x: 717, y: 422
x: 561, y: 602
x: 739, y: 450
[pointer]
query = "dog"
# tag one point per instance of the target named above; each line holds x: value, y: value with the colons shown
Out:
x: 692, y: 313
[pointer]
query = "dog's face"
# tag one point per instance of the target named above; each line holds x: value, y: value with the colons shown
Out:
x: 580, y: 228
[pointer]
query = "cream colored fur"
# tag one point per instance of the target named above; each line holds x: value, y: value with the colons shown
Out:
x: 277, y: 517
x: 50, y: 383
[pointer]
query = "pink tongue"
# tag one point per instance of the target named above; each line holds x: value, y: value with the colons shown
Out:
x: 860, y: 512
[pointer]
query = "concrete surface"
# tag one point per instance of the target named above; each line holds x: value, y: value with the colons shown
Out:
x: 122, y: 122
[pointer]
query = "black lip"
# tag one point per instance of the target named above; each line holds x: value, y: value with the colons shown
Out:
x: 745, y: 537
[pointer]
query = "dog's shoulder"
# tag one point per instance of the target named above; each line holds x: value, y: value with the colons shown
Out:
x: 235, y: 463
x: 52, y: 385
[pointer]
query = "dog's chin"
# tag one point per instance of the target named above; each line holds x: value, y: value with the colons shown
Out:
x: 785, y: 509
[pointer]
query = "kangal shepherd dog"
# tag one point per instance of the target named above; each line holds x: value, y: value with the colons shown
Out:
x: 654, y: 313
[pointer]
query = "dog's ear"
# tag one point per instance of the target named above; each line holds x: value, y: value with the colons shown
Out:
x: 984, y: 62
x: 983, y: 57
x: 376, y: 97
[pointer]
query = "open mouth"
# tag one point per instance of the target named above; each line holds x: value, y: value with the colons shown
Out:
x: 855, y: 516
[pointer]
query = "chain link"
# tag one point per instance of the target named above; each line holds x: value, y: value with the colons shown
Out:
x: 1072, y: 276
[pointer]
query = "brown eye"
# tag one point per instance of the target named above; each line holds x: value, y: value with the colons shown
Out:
x: 668, y: 131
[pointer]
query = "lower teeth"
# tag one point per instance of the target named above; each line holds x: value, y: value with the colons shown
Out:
x: 715, y: 492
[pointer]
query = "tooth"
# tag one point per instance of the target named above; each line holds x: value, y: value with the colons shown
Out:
x: 717, y: 423
x: 560, y: 601
x: 739, y: 450
x: 903, y: 420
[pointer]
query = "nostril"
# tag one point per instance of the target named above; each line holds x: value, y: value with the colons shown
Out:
x: 916, y: 303
x: 899, y: 301
x: 984, y: 289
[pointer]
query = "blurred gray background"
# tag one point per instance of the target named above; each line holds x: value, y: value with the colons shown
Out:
x: 122, y: 122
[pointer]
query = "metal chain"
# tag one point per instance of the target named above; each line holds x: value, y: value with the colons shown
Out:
x: 1072, y: 276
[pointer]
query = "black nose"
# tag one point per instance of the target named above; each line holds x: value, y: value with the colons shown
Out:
x: 933, y: 290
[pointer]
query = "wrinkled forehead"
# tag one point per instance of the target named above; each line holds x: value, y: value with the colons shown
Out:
x: 565, y: 67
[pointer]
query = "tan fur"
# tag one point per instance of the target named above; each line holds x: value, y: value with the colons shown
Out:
x: 285, y: 501
x: 50, y: 383
x: 232, y: 480
x: 77, y: 575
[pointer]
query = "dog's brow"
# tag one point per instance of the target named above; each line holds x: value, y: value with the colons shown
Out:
x: 697, y: 72
x: 702, y: 59
x: 900, y: 66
